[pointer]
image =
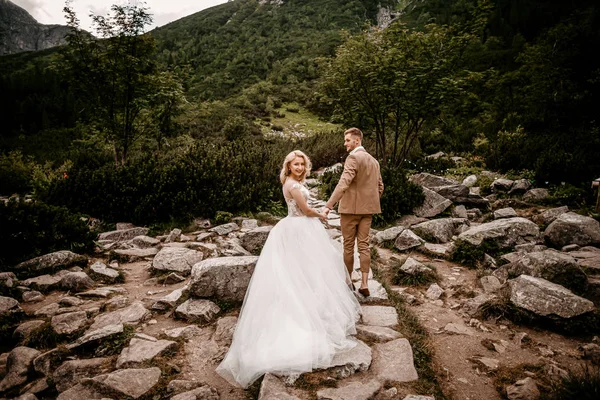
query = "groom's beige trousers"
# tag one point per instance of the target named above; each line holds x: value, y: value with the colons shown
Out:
x: 356, y: 228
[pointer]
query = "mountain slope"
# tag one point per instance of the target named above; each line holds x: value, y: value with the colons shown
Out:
x: 19, y: 31
x: 242, y: 42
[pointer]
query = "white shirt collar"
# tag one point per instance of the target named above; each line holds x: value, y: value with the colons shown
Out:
x: 357, y: 149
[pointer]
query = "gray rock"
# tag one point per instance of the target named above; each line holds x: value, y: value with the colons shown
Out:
x: 132, y: 315
x: 377, y: 293
x: 173, y: 278
x: 439, y: 230
x: 137, y: 254
x: 225, y: 228
x: 272, y: 388
x: 45, y: 364
x: 43, y: 283
x: 520, y: 186
x: 588, y: 257
x: 572, y: 228
x: 50, y: 310
x: 525, y: 389
x: 123, y: 235
x: 433, y: 205
x: 434, y: 292
x: 470, y: 181
x: 455, y: 192
x: 418, y: 397
x: 460, y: 211
x: 410, y: 220
x: 388, y: 236
x: 49, y: 263
x: 8, y: 280
x: 81, y: 391
x: 488, y: 364
x: 570, y: 247
x: 379, y: 316
x: 224, y: 331
x: 99, y: 334
x: 26, y: 328
x: 249, y: 224
x: 505, y: 232
x: 429, y: 180
x: 103, y: 292
x: 76, y: 282
x: 529, y: 247
x: 202, y: 393
x: 70, y: 373
x: 536, y: 195
x: 546, y: 298
x: 490, y: 283
x: 394, y: 361
x: 225, y: 278
x: 173, y: 236
x: 144, y: 242
x: 458, y: 329
x: 441, y: 250
x: 508, y: 212
x: 501, y: 185
x: 254, y: 240
x: 351, y: 361
x: 169, y: 301
x: 176, y: 259
x: 18, y: 366
x: 115, y: 303
x: 197, y: 310
x: 140, y: 351
x: 104, y: 273
x: 407, y: 240
x: 205, y: 235
x: 69, y: 323
x: 27, y: 396
x: 179, y: 386
x: 129, y: 382
x: 472, y: 306
x: 185, y: 332
x: 351, y: 391
x: 9, y: 310
x: 548, y: 216
x: 33, y: 296
x: 377, y: 333
x: 553, y: 266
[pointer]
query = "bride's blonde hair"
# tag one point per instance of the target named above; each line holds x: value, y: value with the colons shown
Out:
x: 285, y: 169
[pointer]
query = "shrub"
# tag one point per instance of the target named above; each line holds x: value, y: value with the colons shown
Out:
x: 400, y: 195
x: 223, y: 217
x: 15, y: 173
x: 209, y: 176
x: 469, y: 255
x: 324, y: 148
x: 30, y: 229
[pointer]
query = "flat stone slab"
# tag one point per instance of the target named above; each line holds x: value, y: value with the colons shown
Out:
x: 225, y: 278
x: 185, y: 332
x: 137, y: 254
x: 176, y: 259
x: 225, y: 228
x: 457, y: 329
x: 98, y: 334
x: 129, y: 382
x: 351, y: 391
x: 379, y: 316
x: 377, y: 292
x: 377, y: 333
x: 49, y: 263
x: 140, y: 351
x: 197, y: 310
x: 169, y: 301
x: 351, y: 361
x: 394, y: 361
x: 123, y: 235
x: 69, y: 323
x: 132, y: 315
x: 272, y: 388
x: 103, y: 292
x: 43, y: 283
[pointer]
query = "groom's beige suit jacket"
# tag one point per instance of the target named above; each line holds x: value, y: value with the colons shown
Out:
x: 360, y: 186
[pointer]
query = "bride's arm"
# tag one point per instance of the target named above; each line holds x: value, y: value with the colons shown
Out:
x: 301, y: 202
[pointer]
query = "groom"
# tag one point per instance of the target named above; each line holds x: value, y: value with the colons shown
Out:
x: 358, y: 192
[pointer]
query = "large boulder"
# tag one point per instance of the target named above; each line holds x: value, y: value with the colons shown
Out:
x: 430, y: 181
x: 545, y: 298
x: 388, y: 236
x: 71, y: 372
x: 254, y: 240
x: 536, y: 195
x: 224, y: 278
x: 176, y: 259
x: 18, y: 366
x: 439, y: 230
x: 571, y: 228
x: 520, y: 186
x: 123, y: 235
x: 49, y: 263
x: 10, y: 313
x: 407, y: 240
x: 76, y: 282
x: 433, y: 205
x: 69, y: 323
x: 197, y: 310
x: 553, y: 266
x: 505, y: 232
x: 394, y: 361
x: 548, y: 216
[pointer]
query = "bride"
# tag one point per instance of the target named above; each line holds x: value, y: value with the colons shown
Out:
x: 298, y: 309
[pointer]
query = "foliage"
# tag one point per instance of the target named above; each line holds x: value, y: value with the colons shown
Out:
x: 418, y: 278
x: 15, y: 173
x: 118, y: 78
x: 223, y: 217
x: 399, y: 197
x: 32, y: 228
x: 469, y: 255
x: 395, y: 83
x: 196, y: 180
x: 324, y: 148
x: 579, y: 383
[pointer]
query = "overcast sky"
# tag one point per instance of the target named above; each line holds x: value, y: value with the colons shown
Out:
x: 163, y: 11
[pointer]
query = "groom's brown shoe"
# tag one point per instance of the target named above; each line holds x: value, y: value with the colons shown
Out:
x: 365, y: 292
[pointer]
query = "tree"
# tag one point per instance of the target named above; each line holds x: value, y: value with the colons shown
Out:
x: 394, y: 82
x: 116, y: 74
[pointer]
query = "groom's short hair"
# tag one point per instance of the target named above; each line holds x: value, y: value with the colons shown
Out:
x: 354, y: 132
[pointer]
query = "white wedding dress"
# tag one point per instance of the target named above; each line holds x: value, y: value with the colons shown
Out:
x: 298, y: 309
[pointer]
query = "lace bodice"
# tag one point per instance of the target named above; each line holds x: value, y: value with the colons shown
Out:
x: 293, y: 209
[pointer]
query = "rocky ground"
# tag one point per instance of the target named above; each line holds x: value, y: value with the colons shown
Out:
x: 151, y: 317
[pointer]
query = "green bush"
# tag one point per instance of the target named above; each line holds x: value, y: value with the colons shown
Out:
x: 30, y: 229
x: 15, y: 173
x: 209, y: 176
x: 223, y: 217
x: 324, y: 148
